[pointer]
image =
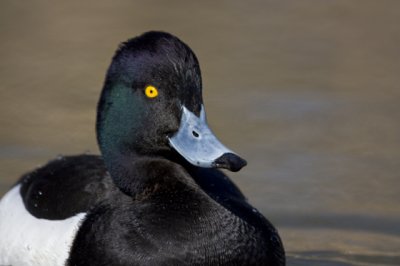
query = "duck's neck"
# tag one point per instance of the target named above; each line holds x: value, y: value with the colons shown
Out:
x: 123, y: 169
x: 133, y: 173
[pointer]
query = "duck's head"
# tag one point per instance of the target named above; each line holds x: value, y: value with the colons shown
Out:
x: 151, y: 105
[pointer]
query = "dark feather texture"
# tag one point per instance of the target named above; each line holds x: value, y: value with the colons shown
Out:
x: 145, y: 204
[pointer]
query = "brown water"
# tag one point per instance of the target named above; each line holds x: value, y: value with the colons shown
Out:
x: 307, y: 91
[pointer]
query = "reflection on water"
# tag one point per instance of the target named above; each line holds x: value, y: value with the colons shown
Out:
x: 306, y: 91
x: 328, y: 258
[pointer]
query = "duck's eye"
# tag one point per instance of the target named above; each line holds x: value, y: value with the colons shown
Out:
x: 151, y: 91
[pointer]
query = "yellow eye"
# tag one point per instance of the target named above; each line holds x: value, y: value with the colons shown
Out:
x: 151, y: 91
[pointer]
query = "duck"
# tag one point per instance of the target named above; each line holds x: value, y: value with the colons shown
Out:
x: 156, y: 195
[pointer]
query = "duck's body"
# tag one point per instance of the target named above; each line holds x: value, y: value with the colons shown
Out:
x: 143, y: 204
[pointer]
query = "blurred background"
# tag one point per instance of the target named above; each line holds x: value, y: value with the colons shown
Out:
x: 307, y: 91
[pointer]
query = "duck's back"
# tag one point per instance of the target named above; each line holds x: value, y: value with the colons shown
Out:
x: 40, y: 215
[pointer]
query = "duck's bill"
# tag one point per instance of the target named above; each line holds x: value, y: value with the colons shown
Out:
x: 195, y: 142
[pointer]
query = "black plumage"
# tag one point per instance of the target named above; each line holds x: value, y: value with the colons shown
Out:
x: 145, y: 204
